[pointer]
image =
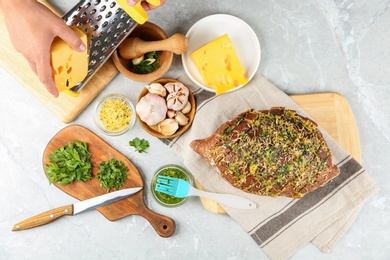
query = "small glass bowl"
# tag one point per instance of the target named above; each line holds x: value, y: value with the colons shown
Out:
x: 171, y: 170
x: 99, y: 108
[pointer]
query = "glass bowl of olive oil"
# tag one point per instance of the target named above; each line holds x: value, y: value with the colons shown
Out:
x: 171, y: 170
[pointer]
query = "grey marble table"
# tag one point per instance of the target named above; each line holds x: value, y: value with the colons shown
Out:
x: 308, y: 46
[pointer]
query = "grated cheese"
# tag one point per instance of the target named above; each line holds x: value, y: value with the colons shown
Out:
x: 115, y: 115
x: 270, y: 154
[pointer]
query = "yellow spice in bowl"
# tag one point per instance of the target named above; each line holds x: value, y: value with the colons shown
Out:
x: 115, y: 115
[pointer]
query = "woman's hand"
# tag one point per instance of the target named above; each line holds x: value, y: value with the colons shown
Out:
x: 32, y: 28
x: 145, y: 4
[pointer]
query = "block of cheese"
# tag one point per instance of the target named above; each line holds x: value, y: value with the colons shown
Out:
x: 68, y: 66
x: 218, y: 64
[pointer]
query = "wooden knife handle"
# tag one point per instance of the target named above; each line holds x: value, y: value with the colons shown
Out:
x: 163, y: 225
x: 44, y: 218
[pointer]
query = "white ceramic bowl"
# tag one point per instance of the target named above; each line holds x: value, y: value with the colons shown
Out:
x: 211, y: 27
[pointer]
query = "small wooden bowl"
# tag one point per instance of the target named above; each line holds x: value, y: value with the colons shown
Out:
x: 147, y: 32
x: 153, y: 130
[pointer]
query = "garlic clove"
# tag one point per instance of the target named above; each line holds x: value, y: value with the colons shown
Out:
x: 187, y: 108
x: 157, y: 88
x: 181, y: 118
x: 151, y: 109
x: 171, y: 113
x: 138, y: 60
x: 178, y: 95
x: 168, y: 126
x: 150, y: 61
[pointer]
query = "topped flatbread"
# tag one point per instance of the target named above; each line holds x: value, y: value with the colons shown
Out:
x: 272, y: 152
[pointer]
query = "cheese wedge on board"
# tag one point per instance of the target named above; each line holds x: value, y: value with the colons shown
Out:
x: 218, y: 64
x: 69, y: 66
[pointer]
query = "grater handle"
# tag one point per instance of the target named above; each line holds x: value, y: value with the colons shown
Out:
x: 137, y: 12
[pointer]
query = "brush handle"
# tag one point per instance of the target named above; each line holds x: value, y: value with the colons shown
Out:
x: 229, y: 200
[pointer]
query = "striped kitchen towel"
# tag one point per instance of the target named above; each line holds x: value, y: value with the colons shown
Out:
x: 281, y: 225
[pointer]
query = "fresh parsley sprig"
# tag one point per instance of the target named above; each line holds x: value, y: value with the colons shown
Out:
x: 140, y: 145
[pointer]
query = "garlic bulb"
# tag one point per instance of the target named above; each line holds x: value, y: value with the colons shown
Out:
x: 168, y: 126
x: 178, y: 95
x: 181, y: 118
x: 157, y: 88
x: 151, y: 109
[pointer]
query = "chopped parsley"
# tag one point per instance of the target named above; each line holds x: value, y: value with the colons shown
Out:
x: 112, y: 175
x: 69, y: 163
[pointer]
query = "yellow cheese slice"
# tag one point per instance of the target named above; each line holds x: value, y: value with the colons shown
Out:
x: 69, y: 66
x: 219, y: 66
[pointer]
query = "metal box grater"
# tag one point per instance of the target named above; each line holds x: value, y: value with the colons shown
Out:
x: 106, y: 25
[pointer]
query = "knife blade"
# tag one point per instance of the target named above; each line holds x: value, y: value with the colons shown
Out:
x: 74, y: 209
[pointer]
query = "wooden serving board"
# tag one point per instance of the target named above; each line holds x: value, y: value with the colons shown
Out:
x: 101, y: 151
x: 332, y: 112
x: 65, y: 107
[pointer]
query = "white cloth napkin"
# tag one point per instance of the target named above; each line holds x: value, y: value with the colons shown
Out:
x: 280, y: 226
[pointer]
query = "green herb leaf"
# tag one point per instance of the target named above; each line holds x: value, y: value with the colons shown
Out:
x: 70, y: 163
x: 113, y: 174
x: 140, y: 145
x: 146, y: 66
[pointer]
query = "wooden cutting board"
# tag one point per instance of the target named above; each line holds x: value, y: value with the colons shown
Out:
x: 332, y: 112
x: 101, y: 151
x: 65, y: 107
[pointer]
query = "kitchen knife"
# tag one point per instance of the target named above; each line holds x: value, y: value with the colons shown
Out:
x: 73, y: 209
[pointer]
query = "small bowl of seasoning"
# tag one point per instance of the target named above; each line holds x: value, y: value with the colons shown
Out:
x: 114, y: 114
x: 171, y: 170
